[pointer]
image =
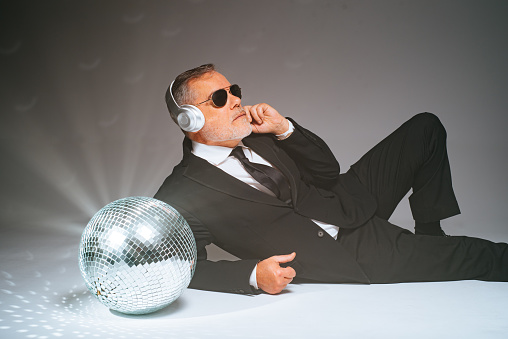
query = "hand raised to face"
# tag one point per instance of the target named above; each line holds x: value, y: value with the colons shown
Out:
x: 265, y: 119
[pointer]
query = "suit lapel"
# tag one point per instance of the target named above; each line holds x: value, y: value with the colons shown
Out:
x: 203, y: 172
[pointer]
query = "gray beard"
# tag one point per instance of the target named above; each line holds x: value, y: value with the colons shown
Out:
x: 236, y: 133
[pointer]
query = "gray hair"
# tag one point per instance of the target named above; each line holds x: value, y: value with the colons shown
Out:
x: 181, y: 92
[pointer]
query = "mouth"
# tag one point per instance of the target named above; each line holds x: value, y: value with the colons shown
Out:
x: 239, y: 115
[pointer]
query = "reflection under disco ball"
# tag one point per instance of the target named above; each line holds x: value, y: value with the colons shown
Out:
x: 137, y: 255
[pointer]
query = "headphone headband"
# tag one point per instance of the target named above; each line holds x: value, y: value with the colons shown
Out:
x: 171, y: 102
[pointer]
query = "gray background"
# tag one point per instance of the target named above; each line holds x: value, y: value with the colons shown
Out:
x: 83, y: 121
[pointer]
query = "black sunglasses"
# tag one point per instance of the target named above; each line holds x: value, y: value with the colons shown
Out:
x: 220, y: 97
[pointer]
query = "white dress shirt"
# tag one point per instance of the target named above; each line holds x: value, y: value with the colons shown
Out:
x: 219, y: 157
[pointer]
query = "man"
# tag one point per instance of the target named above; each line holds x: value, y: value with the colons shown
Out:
x: 301, y: 219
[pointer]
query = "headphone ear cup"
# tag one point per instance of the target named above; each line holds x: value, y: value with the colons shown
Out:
x: 190, y: 118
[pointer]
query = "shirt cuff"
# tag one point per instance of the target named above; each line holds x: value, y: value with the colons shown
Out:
x: 287, y: 133
x: 252, y: 280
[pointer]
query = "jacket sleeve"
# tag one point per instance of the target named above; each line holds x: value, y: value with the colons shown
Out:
x: 312, y: 155
x: 219, y: 276
x: 224, y: 276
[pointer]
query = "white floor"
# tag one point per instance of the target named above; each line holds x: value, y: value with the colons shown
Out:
x: 42, y: 295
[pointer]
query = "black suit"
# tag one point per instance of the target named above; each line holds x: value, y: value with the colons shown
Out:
x: 253, y: 225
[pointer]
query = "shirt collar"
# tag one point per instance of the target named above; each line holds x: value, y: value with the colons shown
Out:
x: 213, y: 154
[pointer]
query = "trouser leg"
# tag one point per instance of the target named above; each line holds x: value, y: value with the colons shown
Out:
x: 390, y: 254
x: 413, y: 157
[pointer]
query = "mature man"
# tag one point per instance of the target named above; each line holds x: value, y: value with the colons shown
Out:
x: 294, y: 216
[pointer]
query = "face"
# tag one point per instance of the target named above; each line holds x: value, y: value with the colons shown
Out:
x: 224, y: 126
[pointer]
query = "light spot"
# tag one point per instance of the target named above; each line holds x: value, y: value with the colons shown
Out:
x: 133, y: 19
x: 134, y: 79
x: 91, y: 65
x: 169, y: 33
x: 7, y: 275
x: 11, y: 50
x: 25, y: 107
x: 247, y: 48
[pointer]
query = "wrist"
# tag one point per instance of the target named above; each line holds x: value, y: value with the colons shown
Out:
x: 282, y: 127
x: 286, y: 132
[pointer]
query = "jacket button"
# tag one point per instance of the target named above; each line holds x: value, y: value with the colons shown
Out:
x: 320, y: 234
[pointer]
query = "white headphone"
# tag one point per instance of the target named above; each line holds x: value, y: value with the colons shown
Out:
x: 189, y: 117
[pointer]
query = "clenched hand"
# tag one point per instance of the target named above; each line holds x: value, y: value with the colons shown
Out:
x: 271, y: 277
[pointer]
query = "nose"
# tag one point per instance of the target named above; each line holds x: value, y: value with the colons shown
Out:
x: 235, y: 101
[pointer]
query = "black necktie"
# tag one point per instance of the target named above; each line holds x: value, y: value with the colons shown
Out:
x: 267, y: 176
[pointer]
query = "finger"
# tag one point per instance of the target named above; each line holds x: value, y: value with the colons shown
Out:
x: 288, y: 273
x: 261, y: 114
x: 255, y: 113
x: 247, y: 112
x: 284, y: 258
x: 267, y: 110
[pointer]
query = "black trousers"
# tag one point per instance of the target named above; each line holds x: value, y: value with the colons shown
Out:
x: 415, y: 157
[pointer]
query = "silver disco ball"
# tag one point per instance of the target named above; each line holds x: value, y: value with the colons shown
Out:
x: 137, y: 255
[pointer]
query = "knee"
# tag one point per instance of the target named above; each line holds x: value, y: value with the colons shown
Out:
x: 429, y: 122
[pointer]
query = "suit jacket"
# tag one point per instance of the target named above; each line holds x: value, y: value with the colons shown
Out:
x: 253, y: 226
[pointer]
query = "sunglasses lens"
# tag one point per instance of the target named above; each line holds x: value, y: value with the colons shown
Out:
x: 236, y: 91
x: 220, y: 97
